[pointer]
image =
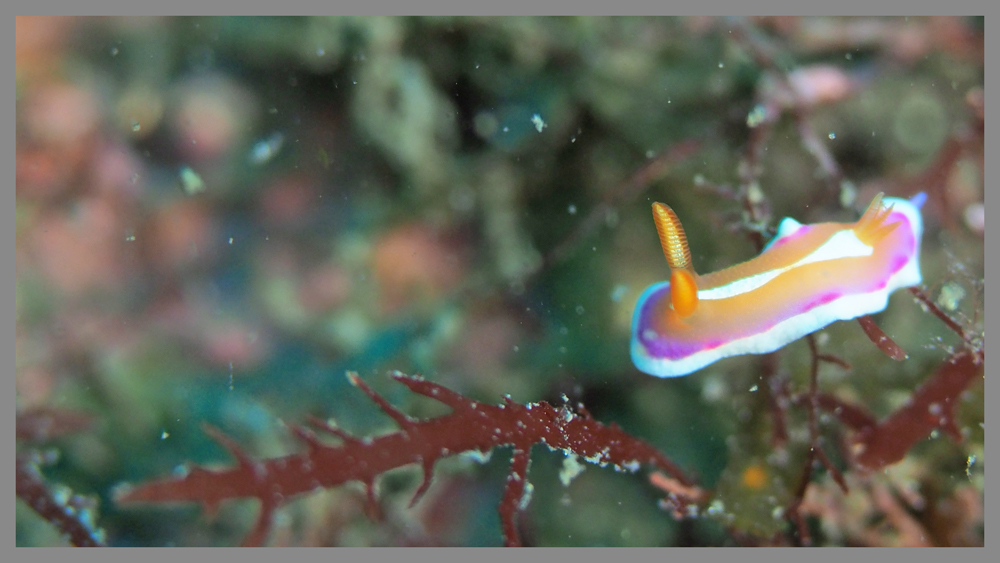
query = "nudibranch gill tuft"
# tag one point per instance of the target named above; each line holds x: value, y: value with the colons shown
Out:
x: 807, y: 277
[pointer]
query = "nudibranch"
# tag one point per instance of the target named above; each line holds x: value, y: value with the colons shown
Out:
x: 807, y: 277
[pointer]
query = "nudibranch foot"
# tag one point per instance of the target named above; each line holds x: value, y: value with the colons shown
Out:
x: 807, y: 277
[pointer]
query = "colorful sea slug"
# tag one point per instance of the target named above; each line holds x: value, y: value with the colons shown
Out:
x: 807, y: 277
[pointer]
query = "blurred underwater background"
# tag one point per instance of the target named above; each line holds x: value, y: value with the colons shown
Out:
x: 218, y: 217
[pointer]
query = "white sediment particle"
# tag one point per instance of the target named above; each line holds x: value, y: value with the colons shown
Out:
x: 571, y: 467
x: 61, y: 494
x: 951, y: 296
x: 529, y: 490
x: 478, y: 456
x: 631, y: 466
x: 191, y: 181
x: 716, y: 507
x: 538, y: 122
x: 757, y: 116
x: 266, y: 149
x: 618, y: 292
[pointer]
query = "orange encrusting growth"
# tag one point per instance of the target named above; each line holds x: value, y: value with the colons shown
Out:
x: 754, y: 477
x: 871, y: 227
x: 683, y: 279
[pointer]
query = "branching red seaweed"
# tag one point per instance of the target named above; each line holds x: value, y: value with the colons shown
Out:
x: 471, y: 426
x: 877, y: 444
x: 816, y: 452
x: 932, y: 406
x: 73, y: 515
x: 881, y: 339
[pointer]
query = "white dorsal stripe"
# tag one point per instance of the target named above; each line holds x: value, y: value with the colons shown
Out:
x: 843, y: 244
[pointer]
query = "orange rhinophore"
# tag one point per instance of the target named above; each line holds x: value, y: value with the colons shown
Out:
x: 683, y: 279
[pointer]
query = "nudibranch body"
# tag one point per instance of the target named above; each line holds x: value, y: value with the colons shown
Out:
x: 807, y: 277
